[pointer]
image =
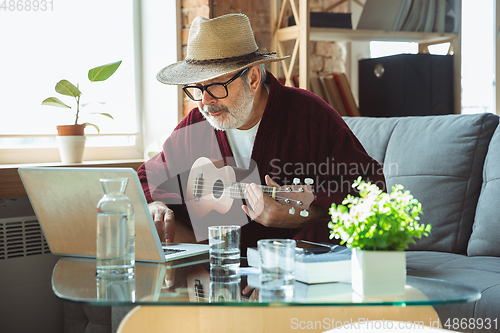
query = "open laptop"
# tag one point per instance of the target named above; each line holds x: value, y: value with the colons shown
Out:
x: 65, y: 202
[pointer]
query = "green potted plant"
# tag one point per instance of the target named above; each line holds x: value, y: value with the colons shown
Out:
x: 378, y: 227
x: 71, y: 138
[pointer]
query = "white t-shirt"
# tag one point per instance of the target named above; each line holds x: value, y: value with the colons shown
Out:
x: 241, y: 143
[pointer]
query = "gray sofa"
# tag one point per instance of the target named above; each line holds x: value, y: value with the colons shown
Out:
x: 451, y: 164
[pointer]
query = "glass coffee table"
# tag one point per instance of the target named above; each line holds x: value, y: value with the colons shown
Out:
x: 190, y: 294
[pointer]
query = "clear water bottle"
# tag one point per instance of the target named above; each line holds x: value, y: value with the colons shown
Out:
x: 115, y: 231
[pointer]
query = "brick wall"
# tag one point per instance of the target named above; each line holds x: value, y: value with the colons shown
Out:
x: 191, y: 9
x: 326, y: 57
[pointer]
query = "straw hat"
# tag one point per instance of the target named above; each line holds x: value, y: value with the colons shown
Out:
x: 216, y: 47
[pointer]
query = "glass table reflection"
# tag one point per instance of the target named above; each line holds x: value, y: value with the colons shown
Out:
x: 194, y: 283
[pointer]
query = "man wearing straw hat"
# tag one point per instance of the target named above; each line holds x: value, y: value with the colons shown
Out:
x: 247, y: 119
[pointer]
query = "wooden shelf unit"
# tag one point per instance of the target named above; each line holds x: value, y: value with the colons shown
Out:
x: 334, y: 34
x: 302, y: 33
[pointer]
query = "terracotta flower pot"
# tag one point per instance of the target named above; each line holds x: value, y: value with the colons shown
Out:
x: 64, y: 130
x: 71, y: 142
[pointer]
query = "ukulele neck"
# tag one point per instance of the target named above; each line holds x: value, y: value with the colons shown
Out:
x: 237, y: 190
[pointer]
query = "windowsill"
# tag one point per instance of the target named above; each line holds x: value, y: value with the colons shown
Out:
x: 12, y: 186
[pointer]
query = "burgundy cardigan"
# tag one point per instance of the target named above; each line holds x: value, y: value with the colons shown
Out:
x: 300, y: 135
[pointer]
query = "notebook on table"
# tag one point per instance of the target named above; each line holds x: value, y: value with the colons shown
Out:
x: 65, y: 202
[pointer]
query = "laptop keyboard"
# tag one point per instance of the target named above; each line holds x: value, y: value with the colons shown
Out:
x: 172, y: 251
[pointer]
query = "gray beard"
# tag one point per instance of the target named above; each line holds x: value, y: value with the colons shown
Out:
x: 236, y: 117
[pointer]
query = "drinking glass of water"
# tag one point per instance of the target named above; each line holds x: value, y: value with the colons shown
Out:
x: 277, y: 263
x: 224, y: 244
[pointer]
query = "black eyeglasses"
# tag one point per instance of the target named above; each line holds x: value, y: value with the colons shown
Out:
x: 216, y: 90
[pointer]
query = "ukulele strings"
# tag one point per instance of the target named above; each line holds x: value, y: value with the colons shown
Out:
x: 222, y: 188
x: 228, y: 195
x: 278, y: 197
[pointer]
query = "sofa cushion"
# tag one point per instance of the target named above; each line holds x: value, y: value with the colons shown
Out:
x: 486, y: 229
x: 482, y: 309
x: 374, y: 134
x: 430, y: 260
x: 482, y: 273
x: 440, y: 160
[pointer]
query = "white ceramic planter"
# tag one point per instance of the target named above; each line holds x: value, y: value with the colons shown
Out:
x: 71, y: 148
x: 378, y: 272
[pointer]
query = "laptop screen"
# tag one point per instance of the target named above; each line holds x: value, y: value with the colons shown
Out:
x: 65, y: 202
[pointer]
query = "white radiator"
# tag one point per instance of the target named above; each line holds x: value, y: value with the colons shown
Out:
x: 21, y: 237
x: 26, y: 266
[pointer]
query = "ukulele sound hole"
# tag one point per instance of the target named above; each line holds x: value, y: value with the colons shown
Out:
x: 218, y: 189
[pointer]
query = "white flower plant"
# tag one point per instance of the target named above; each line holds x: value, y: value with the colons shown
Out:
x: 377, y: 221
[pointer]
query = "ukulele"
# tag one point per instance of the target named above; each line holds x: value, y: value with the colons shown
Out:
x: 212, y: 188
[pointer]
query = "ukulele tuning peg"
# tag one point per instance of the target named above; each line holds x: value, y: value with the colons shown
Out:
x: 304, y: 213
x: 309, y: 181
x: 296, y: 181
x: 291, y: 211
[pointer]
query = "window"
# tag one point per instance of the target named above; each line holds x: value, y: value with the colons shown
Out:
x: 477, y: 55
x: 41, y: 47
